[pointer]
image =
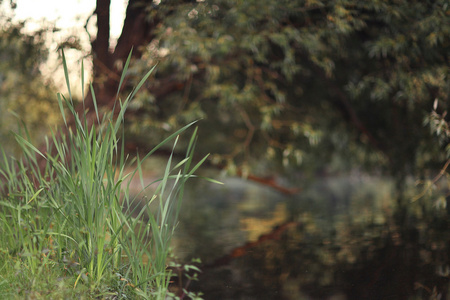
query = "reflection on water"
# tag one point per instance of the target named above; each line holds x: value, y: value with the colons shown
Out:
x: 218, y: 218
x: 337, y: 239
x: 258, y: 226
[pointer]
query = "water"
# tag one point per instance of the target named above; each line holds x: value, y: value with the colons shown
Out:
x: 339, y: 238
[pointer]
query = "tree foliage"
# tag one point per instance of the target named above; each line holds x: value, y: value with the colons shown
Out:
x: 24, y: 92
x: 280, y: 80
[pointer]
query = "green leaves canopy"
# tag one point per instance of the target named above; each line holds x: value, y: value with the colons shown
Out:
x: 282, y: 79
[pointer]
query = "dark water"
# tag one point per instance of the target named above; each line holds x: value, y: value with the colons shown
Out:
x: 339, y: 238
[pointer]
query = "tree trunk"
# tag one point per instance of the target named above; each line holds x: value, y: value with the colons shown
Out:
x: 137, y: 31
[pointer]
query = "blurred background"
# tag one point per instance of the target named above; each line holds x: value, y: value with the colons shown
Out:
x: 326, y: 120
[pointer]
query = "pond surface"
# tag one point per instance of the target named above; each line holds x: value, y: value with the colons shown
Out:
x: 336, y: 239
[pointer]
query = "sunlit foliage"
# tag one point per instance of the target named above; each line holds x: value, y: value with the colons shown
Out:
x: 279, y: 80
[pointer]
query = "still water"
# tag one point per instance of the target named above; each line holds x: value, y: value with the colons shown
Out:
x: 338, y: 238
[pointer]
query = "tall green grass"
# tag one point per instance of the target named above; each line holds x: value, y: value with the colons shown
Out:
x: 74, y: 223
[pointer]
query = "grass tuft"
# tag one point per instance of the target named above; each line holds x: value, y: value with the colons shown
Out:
x: 72, y: 229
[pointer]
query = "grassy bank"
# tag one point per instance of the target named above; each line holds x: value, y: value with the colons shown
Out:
x: 68, y: 229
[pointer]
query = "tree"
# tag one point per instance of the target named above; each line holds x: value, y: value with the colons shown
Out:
x: 281, y: 80
x: 280, y: 77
